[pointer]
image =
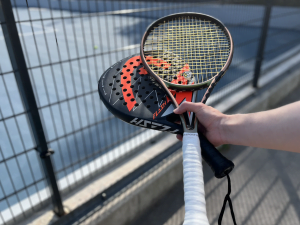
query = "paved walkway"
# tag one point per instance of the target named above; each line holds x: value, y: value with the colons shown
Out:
x: 265, y: 189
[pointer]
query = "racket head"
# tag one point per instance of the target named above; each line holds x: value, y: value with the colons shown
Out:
x: 130, y: 94
x: 201, y: 41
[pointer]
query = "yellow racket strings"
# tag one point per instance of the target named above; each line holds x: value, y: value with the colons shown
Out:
x: 200, y: 43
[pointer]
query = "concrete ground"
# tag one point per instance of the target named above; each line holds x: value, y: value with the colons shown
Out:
x: 265, y: 189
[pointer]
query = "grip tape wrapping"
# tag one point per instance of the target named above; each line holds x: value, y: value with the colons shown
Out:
x: 194, y: 195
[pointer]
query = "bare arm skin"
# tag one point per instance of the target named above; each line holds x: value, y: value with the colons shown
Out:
x: 274, y: 129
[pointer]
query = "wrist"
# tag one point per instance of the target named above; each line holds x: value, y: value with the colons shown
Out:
x: 227, y: 133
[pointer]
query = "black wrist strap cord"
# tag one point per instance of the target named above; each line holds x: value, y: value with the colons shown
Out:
x: 227, y: 198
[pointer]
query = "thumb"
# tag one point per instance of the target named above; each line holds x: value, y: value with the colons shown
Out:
x: 188, y: 106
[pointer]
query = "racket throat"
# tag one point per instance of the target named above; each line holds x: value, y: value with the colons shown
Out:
x: 189, y: 127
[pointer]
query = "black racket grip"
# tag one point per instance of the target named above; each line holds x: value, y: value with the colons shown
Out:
x: 217, y: 162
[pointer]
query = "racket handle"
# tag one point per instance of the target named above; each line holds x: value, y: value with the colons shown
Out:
x: 194, y: 194
x: 219, y: 164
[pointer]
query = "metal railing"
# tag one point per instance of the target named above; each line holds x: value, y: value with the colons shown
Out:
x: 52, y: 54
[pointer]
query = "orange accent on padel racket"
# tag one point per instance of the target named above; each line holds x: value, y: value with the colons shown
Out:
x: 128, y: 68
x: 157, y: 62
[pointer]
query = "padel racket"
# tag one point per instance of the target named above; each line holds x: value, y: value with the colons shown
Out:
x: 128, y: 92
x: 204, y: 46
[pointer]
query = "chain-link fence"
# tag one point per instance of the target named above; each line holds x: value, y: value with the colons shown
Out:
x: 52, y: 54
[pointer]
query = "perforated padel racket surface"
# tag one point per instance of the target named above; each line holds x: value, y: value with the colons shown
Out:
x: 204, y: 45
x: 128, y: 92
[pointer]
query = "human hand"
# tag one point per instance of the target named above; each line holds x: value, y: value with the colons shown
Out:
x: 210, y: 121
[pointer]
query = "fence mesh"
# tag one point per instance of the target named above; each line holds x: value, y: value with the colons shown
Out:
x: 67, y: 46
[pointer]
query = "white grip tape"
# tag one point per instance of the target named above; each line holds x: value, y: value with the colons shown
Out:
x: 194, y: 196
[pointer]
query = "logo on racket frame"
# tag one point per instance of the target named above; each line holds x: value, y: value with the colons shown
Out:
x: 152, y: 125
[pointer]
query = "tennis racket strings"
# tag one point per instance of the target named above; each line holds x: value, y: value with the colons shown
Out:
x: 199, y: 43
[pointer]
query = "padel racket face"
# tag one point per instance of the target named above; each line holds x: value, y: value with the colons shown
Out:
x: 128, y: 92
x: 147, y: 105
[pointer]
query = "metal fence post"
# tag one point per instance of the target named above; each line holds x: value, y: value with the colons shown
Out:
x: 18, y: 62
x: 262, y: 41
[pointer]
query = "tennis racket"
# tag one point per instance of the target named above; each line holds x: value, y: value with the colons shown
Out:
x: 128, y: 92
x: 204, y: 46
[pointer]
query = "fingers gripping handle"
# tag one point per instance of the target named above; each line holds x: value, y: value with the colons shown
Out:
x: 217, y: 162
x: 194, y: 196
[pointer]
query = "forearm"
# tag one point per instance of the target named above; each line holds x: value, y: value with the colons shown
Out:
x: 275, y: 129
